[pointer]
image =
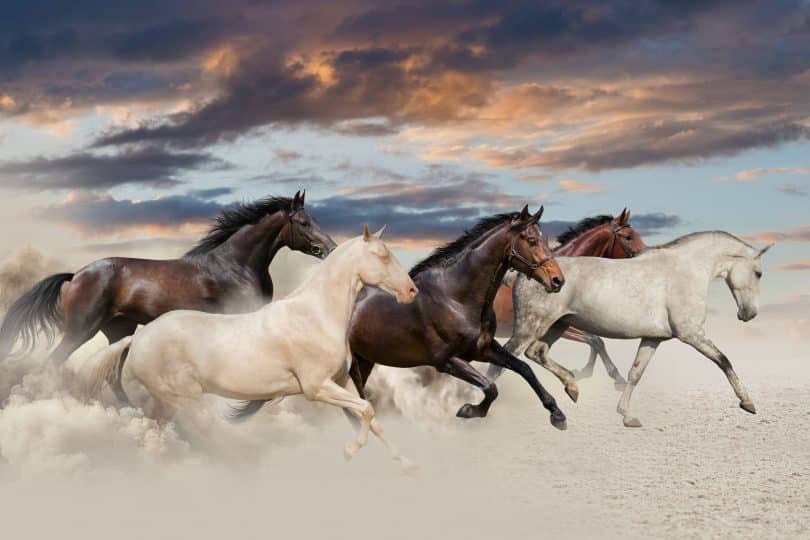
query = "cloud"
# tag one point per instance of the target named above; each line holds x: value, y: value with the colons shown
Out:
x: 211, y: 193
x: 286, y: 156
x: 796, y: 234
x: 794, y: 189
x: 796, y: 266
x: 102, y: 214
x: 752, y: 174
x: 569, y: 185
x: 146, y: 166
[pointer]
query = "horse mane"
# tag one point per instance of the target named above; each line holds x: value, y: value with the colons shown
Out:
x: 445, y: 255
x: 693, y: 236
x: 585, y: 225
x: 232, y: 219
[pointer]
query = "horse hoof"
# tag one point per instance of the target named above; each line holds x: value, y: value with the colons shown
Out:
x: 558, y: 421
x: 748, y: 406
x: 408, y: 467
x: 350, y: 450
x: 572, y: 391
x: 470, y: 411
x: 631, y: 422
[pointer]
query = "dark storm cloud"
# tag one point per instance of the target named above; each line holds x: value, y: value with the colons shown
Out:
x: 419, y: 63
x: 100, y: 215
x: 149, y: 166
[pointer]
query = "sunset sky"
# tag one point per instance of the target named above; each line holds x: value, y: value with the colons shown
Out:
x: 125, y: 126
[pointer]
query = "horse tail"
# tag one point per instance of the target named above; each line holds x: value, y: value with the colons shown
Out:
x: 38, y: 310
x: 246, y: 409
x: 104, y: 367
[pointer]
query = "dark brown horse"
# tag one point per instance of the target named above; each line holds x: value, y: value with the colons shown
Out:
x: 598, y: 236
x: 226, y: 272
x: 451, y: 322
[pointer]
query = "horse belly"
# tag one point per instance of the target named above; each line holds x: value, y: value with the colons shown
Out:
x: 618, y: 323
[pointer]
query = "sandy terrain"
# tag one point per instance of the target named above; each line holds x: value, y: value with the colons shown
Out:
x: 700, y: 467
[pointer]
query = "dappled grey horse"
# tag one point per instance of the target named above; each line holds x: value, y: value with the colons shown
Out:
x: 658, y: 295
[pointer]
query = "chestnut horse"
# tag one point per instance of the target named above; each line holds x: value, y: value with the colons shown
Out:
x: 451, y: 322
x: 225, y: 272
x: 598, y: 236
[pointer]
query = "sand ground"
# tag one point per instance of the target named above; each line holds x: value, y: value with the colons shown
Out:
x: 700, y: 467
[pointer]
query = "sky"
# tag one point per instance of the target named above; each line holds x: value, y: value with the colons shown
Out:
x: 126, y: 126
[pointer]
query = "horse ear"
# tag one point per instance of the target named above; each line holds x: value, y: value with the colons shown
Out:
x: 763, y: 250
x: 623, y: 218
x: 294, y: 204
x: 366, y: 233
x: 303, y: 196
x: 379, y: 233
x: 521, y: 217
x: 536, y: 217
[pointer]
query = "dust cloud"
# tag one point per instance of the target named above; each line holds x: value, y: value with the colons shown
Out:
x: 698, y: 467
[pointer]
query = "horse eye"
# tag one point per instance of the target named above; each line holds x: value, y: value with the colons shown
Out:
x: 629, y: 237
x: 532, y: 241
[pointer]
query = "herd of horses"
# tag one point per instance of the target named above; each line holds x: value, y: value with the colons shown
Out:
x: 211, y: 327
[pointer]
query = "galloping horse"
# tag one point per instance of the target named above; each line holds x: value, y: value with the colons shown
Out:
x: 452, y: 322
x: 226, y: 271
x: 598, y: 236
x: 297, y: 345
x: 659, y: 295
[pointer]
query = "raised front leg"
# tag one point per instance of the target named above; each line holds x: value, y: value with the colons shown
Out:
x: 705, y: 346
x: 538, y: 352
x: 461, y: 369
x: 497, y: 355
x: 645, y: 352
x: 334, y: 394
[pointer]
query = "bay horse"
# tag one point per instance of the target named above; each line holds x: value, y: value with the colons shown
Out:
x: 297, y: 345
x: 656, y: 296
x: 597, y: 236
x: 226, y: 271
x: 452, y: 322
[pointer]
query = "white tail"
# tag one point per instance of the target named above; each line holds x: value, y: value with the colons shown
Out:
x: 100, y: 368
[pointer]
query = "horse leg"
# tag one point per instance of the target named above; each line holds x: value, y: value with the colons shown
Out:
x: 538, y: 352
x: 461, y: 369
x: 574, y: 334
x: 377, y: 431
x: 360, y: 372
x: 522, y: 335
x: 645, y: 352
x: 85, y: 308
x: 496, y: 354
x: 708, y: 349
x: 334, y: 394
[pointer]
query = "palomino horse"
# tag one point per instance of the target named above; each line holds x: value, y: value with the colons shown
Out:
x: 452, y: 322
x: 297, y: 345
x: 225, y: 272
x: 659, y: 295
x: 598, y: 236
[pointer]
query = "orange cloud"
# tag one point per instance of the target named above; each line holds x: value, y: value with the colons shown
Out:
x: 570, y: 185
x: 797, y: 266
x: 796, y: 234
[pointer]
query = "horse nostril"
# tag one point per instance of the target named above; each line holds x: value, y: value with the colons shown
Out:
x: 316, y: 250
x: 557, y: 281
x: 412, y: 291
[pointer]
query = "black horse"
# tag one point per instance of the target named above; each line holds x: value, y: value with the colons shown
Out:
x: 225, y: 272
x: 451, y: 322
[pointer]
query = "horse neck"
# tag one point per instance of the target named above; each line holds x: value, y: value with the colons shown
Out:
x: 479, y: 272
x: 713, y: 252
x: 254, y: 246
x: 592, y: 243
x: 335, y: 283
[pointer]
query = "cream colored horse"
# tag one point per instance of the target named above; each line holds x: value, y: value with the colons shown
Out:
x: 297, y: 345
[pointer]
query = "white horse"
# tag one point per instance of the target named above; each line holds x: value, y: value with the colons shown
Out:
x: 658, y: 295
x: 297, y: 345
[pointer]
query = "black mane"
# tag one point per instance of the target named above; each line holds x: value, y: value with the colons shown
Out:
x: 584, y: 225
x: 445, y: 255
x: 233, y: 219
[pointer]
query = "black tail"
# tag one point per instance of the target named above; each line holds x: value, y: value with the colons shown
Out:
x: 36, y: 311
x: 246, y: 409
